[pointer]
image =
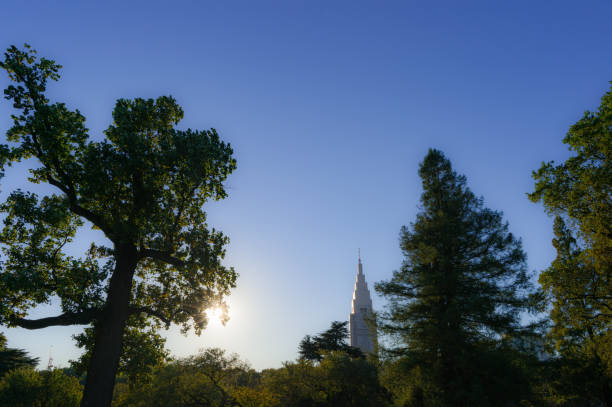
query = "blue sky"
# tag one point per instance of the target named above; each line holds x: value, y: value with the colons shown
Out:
x: 330, y: 106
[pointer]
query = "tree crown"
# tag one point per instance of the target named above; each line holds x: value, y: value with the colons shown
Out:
x: 143, y: 186
x: 464, y: 277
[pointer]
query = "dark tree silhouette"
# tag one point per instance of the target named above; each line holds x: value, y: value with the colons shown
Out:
x: 462, y: 288
x: 333, y: 339
x: 11, y: 358
x: 143, y: 185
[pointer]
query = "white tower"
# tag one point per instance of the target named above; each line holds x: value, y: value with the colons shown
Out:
x: 50, y: 363
x: 361, y: 310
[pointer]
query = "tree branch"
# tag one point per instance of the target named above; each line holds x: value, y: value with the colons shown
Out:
x: 67, y: 187
x: 165, y: 256
x: 79, y: 210
x: 137, y: 310
x: 67, y: 318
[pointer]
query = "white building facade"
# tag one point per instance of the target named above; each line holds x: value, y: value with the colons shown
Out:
x: 362, y: 334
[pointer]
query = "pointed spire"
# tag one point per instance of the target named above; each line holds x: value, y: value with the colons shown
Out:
x: 359, y: 265
x: 361, y: 307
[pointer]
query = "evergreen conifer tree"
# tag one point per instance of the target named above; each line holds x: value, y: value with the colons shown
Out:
x: 11, y: 358
x: 459, y: 295
x: 334, y: 339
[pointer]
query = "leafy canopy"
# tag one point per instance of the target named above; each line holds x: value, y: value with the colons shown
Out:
x: 578, y: 192
x: 143, y: 351
x: 143, y: 185
x: 214, y: 378
x: 338, y: 380
x: 25, y: 387
x: 210, y: 378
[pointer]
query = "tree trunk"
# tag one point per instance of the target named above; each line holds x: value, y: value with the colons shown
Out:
x: 109, y: 329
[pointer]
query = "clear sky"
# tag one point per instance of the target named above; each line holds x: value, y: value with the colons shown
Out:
x: 330, y: 106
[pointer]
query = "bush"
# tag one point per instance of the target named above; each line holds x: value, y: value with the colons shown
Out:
x: 25, y: 387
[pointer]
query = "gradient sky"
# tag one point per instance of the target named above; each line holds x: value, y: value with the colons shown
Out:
x: 330, y: 106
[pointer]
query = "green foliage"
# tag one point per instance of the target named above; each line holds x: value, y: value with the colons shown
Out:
x: 143, y: 351
x: 579, y: 281
x: 143, y: 185
x: 209, y: 379
x: 295, y: 384
x: 579, y: 190
x: 351, y: 382
x: 212, y: 378
x: 14, y: 358
x: 410, y: 385
x: 489, y: 376
x: 462, y: 288
x: 339, y: 380
x: 574, y: 381
x: 333, y: 339
x: 25, y: 387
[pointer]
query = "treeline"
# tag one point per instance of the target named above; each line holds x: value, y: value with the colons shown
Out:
x: 465, y: 322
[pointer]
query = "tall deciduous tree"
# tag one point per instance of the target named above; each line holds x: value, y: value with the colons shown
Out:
x: 143, y: 351
x: 578, y: 192
x: 143, y: 186
x: 461, y: 289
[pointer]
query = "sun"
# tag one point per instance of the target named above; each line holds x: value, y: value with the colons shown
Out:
x: 214, y: 313
x: 216, y: 316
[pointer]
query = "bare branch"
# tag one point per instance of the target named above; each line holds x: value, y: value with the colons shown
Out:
x: 67, y: 318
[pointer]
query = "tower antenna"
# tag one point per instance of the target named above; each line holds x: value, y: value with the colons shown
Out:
x: 50, y: 363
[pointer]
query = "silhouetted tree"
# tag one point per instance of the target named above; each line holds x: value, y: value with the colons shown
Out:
x: 11, y: 358
x: 461, y: 289
x: 143, y: 186
x: 333, y: 339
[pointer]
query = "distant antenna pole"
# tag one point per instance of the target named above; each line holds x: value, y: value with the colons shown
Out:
x: 50, y: 364
x: 359, y: 254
